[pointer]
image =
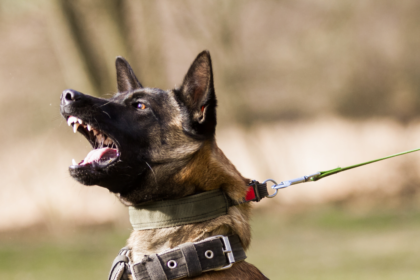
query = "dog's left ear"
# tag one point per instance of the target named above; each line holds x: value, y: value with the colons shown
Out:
x: 199, y: 97
x: 126, y: 79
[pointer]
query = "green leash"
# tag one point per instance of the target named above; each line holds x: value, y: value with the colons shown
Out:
x: 322, y: 174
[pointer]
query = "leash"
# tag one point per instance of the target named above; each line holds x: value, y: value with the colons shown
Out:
x: 323, y: 174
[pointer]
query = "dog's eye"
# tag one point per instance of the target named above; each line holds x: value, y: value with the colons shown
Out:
x: 140, y: 105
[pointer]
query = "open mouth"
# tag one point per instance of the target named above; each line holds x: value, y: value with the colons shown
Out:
x: 105, y: 150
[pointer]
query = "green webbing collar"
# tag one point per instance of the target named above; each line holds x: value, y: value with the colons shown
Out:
x: 187, y: 210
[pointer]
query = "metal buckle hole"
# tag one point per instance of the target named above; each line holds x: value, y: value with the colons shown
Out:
x: 172, y: 264
x: 209, y: 254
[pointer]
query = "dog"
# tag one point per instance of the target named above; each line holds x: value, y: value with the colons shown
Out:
x: 152, y: 145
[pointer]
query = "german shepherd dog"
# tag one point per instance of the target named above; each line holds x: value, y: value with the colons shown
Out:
x: 154, y: 145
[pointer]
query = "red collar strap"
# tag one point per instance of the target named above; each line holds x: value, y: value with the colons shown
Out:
x: 256, y: 192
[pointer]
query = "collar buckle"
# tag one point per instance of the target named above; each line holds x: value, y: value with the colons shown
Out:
x: 227, y: 249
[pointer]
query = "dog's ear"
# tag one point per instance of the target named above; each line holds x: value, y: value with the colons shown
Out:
x: 198, y: 95
x: 126, y: 79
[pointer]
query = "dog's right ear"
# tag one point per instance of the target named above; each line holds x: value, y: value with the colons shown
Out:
x: 197, y: 93
x: 126, y: 79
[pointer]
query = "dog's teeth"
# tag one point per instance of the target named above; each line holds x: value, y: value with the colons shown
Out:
x: 74, y: 162
x: 95, y: 132
x: 71, y: 120
x: 75, y: 127
x: 89, y: 127
x: 108, y: 141
x: 80, y: 121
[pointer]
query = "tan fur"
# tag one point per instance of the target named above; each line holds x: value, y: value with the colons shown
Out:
x: 207, y: 170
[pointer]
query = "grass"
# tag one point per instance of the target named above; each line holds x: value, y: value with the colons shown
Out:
x: 86, y: 254
x: 333, y: 244
x: 322, y: 244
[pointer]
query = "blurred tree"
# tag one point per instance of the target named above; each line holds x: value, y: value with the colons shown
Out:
x: 146, y: 42
x: 281, y: 60
x: 98, y: 29
x: 102, y: 30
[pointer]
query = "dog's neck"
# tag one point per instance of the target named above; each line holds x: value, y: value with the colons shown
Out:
x: 206, y: 170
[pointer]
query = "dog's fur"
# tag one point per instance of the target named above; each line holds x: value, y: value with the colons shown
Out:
x: 166, y: 150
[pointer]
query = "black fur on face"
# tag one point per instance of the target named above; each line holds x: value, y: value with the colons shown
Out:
x: 146, y: 130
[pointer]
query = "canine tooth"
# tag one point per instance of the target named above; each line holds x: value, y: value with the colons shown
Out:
x: 100, y: 138
x: 108, y: 141
x: 71, y: 120
x: 74, y: 162
x: 80, y: 121
x: 75, y: 127
x: 89, y: 127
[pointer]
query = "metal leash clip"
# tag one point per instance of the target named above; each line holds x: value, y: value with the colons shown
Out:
x: 288, y: 183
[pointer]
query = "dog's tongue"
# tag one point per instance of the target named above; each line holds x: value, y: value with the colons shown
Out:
x: 100, y: 154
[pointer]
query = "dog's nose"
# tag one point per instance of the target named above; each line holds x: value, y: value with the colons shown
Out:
x: 68, y: 96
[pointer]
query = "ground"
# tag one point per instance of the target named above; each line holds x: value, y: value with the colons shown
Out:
x: 325, y: 244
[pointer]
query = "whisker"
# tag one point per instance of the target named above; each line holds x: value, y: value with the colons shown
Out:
x: 106, y: 114
x: 153, y: 173
x: 105, y: 104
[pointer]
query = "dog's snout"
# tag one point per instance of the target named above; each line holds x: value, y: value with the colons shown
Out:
x: 68, y: 96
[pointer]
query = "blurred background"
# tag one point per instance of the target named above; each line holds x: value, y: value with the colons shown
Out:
x: 302, y: 85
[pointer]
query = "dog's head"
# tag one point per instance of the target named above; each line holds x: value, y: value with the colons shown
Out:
x: 140, y: 129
